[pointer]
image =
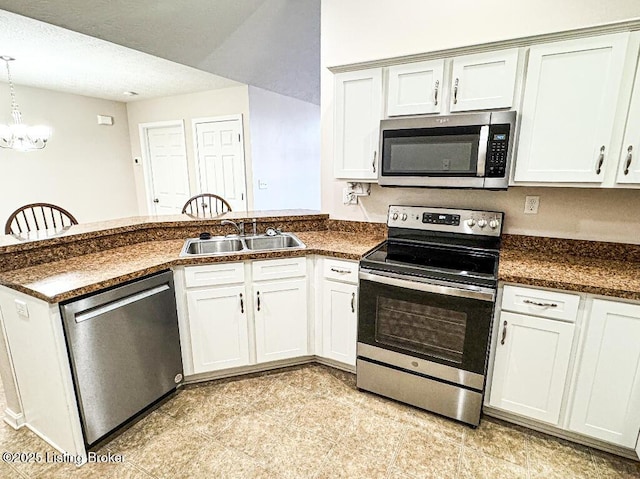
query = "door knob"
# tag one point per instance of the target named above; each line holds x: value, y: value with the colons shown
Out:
x: 156, y: 200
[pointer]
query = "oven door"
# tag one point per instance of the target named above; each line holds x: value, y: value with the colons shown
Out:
x: 445, y: 325
x: 433, y: 156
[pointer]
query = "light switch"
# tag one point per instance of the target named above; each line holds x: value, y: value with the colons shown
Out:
x: 105, y: 120
x: 262, y: 185
x: 22, y: 309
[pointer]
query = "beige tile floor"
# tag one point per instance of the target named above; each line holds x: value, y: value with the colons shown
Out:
x: 311, y: 422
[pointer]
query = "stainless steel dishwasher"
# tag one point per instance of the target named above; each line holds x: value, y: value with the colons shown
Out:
x: 125, y: 351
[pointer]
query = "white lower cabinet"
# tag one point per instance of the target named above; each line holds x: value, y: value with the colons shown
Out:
x: 339, y: 321
x: 221, y: 315
x: 337, y: 297
x: 531, y: 364
x: 218, y: 328
x: 606, y: 401
x: 281, y: 319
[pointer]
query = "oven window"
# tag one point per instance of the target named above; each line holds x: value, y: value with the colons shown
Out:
x: 428, y: 330
x: 435, y: 151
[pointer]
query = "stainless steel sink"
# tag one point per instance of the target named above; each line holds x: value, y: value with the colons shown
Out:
x: 281, y: 241
x: 219, y: 245
x: 212, y: 246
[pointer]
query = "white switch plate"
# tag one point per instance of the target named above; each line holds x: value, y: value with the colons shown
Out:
x: 531, y: 204
x: 262, y: 185
x: 21, y: 308
x: 105, y: 120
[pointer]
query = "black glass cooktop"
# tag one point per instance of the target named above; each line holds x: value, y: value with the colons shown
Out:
x: 466, y: 265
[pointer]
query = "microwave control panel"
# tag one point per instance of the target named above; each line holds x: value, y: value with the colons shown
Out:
x: 497, y: 151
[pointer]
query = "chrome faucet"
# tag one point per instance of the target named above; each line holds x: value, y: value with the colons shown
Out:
x: 238, y: 226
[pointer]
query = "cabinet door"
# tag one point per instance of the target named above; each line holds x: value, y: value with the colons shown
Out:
x: 415, y: 88
x: 530, y: 368
x: 358, y: 108
x: 568, y: 109
x: 339, y: 321
x: 607, y: 394
x: 280, y: 319
x: 483, y: 81
x: 218, y: 328
x: 629, y: 167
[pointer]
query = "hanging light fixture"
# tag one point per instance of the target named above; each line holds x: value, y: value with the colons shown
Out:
x: 17, y: 135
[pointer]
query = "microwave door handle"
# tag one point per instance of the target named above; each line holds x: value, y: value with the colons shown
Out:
x: 482, y: 150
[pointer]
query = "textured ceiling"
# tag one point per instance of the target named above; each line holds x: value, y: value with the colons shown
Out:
x: 58, y: 59
x: 271, y: 44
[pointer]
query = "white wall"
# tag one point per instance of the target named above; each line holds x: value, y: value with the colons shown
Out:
x: 285, y: 144
x: 85, y: 168
x: 222, y: 102
x: 366, y: 30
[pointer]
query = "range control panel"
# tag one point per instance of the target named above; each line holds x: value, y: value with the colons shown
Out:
x: 473, y: 222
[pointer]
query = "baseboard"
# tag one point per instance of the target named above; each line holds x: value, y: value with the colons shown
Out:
x: 561, y: 433
x: 335, y: 364
x: 254, y: 368
x: 13, y: 419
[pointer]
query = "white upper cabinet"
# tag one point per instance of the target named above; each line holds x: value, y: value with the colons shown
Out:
x: 629, y: 167
x: 483, y: 81
x: 568, y: 110
x: 607, y: 393
x: 358, y: 110
x: 415, y: 88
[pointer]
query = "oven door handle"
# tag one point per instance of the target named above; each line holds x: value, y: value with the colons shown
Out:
x: 482, y: 294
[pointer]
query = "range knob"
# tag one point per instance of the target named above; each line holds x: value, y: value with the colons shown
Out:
x: 482, y: 223
x: 493, y: 224
x: 471, y: 222
x: 404, y: 217
x: 394, y: 216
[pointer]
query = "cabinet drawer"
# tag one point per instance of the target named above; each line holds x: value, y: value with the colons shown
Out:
x: 214, y: 274
x: 279, y: 268
x: 536, y: 302
x: 340, y: 270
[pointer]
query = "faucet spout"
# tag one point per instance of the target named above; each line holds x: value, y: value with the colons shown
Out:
x: 238, y: 226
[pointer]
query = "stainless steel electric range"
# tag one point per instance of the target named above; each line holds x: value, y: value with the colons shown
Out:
x: 426, y: 301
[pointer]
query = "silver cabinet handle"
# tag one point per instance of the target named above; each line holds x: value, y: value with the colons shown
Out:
x: 341, y: 271
x: 600, y: 160
x: 542, y: 305
x: 455, y: 91
x: 629, y: 158
x: 435, y: 92
x: 258, y: 295
x: 241, y: 304
x: 504, y: 333
x: 353, y: 302
x: 373, y: 163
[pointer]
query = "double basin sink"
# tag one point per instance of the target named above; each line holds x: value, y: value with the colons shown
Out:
x: 218, y: 245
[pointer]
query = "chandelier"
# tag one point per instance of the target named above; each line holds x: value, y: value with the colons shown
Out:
x: 17, y: 135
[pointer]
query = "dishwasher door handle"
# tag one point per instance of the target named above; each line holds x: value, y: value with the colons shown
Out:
x: 105, y: 308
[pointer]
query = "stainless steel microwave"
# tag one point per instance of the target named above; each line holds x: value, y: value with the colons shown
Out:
x: 454, y: 151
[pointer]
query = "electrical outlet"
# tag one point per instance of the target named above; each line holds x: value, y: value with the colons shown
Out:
x: 531, y: 204
x: 21, y: 308
x: 262, y: 185
x: 348, y: 197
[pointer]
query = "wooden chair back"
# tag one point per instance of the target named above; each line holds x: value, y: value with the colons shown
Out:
x: 206, y: 204
x: 38, y: 216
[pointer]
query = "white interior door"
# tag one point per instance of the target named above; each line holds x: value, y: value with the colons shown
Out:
x: 220, y: 157
x: 168, y: 186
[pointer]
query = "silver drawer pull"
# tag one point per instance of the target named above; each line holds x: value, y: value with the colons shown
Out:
x: 629, y: 159
x: 600, y: 161
x: 435, y: 92
x: 455, y: 91
x: 504, y: 333
x: 542, y: 305
x: 341, y: 271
